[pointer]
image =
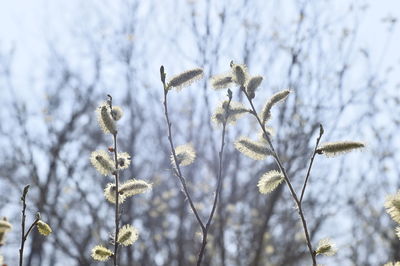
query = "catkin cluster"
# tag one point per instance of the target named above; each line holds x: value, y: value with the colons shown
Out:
x: 110, y: 163
x: 262, y: 148
x: 254, y: 149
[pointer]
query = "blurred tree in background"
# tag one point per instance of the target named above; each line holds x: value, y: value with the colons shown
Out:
x: 48, y: 129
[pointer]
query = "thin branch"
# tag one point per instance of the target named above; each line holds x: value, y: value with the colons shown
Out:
x: 286, y: 177
x: 116, y: 175
x: 321, y: 132
x: 219, y: 183
x: 24, y: 235
x: 178, y: 169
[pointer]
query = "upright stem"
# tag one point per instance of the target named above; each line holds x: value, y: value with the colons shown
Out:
x: 178, y: 171
x: 24, y: 235
x: 219, y: 184
x: 116, y: 175
x: 21, y: 250
x: 177, y: 167
x: 321, y: 132
x: 287, y: 180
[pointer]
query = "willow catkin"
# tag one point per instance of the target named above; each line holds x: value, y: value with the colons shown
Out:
x: 116, y: 113
x: 239, y: 74
x: 124, y: 160
x: 276, y: 98
x: 133, y: 187
x: 270, y: 181
x: 331, y: 149
x: 101, y: 253
x: 326, y: 247
x: 185, y: 155
x: 109, y: 194
x: 222, y: 81
x: 127, y: 235
x: 252, y: 84
x: 253, y: 149
x: 102, y: 161
x: 185, y: 79
x: 105, y: 120
x: 43, y: 228
x: 229, y: 115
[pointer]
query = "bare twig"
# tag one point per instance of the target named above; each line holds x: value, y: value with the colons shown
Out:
x: 24, y: 235
x: 321, y: 132
x: 219, y: 182
x: 177, y: 169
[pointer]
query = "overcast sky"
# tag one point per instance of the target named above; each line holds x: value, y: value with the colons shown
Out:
x: 26, y: 25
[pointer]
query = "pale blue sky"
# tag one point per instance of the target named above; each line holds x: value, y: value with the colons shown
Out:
x: 26, y: 25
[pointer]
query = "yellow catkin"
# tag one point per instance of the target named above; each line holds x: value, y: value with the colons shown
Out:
x: 101, y: 253
x: 43, y: 228
x: 185, y: 79
x: 331, y: 149
x: 326, y: 247
x: 127, y: 235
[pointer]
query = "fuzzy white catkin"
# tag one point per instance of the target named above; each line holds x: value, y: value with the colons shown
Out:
x: 252, y: 84
x: 127, y: 235
x: 185, y: 79
x: 105, y: 120
x: 222, y: 81
x: 124, y: 160
x: 276, y: 98
x: 239, y: 74
x: 270, y: 181
x: 109, y: 194
x: 253, y: 149
x: 101, y: 253
x: 133, y: 187
x: 102, y: 161
x: 229, y: 115
x: 185, y: 155
x: 116, y: 113
x: 331, y: 149
x: 326, y: 247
